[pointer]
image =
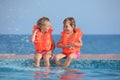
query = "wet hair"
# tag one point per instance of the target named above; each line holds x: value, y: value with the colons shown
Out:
x: 41, y: 22
x: 71, y: 21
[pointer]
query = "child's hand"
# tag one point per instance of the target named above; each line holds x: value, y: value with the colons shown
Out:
x: 32, y: 38
x: 36, y: 31
x: 70, y: 45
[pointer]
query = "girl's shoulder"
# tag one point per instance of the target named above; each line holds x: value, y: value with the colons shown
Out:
x: 78, y: 30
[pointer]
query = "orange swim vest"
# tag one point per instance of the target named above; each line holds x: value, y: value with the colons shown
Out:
x: 73, y: 38
x: 43, y: 42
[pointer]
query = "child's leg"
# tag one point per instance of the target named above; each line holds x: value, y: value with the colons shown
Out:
x: 58, y: 57
x: 38, y: 56
x: 69, y: 59
x: 46, y: 59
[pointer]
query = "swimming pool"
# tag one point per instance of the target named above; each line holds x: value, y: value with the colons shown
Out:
x: 81, y: 69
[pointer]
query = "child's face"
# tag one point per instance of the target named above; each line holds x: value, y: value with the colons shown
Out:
x: 46, y: 26
x: 68, y: 28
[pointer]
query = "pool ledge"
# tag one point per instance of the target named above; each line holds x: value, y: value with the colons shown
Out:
x: 82, y: 56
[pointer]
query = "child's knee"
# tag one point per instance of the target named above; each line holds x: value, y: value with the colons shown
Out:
x: 56, y: 57
x: 70, y: 57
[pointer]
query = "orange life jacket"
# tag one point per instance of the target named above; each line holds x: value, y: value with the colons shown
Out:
x: 75, y: 37
x: 43, y: 42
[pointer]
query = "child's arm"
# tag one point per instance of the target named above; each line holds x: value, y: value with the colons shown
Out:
x: 60, y: 45
x: 78, y: 44
x: 32, y: 38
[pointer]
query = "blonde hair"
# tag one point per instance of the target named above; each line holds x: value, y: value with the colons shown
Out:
x: 41, y: 21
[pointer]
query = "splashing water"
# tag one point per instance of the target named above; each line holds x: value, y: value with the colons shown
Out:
x: 78, y: 70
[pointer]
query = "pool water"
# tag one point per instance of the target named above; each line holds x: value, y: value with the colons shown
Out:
x: 81, y: 69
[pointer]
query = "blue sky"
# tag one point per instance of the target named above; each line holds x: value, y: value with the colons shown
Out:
x: 92, y: 16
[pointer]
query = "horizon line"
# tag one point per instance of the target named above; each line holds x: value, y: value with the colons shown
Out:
x: 56, y: 34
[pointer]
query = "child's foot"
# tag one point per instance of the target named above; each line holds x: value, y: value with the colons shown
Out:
x: 59, y: 64
x: 36, y: 65
x: 64, y: 66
